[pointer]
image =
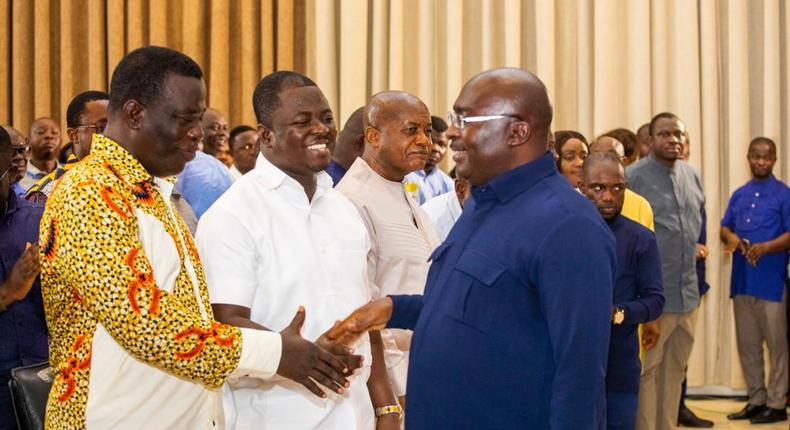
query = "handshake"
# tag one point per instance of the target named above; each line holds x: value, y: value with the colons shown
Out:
x: 329, y: 361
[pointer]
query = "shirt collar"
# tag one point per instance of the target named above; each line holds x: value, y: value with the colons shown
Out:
x: 651, y: 160
x: 12, y: 205
x: 763, y: 182
x: 509, y: 184
x: 273, y: 177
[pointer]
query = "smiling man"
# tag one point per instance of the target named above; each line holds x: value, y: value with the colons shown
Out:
x: 398, y: 141
x: 674, y: 190
x: 504, y: 336
x: 134, y: 343
x: 281, y: 238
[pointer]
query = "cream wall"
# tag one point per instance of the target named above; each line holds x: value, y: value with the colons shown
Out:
x: 721, y: 65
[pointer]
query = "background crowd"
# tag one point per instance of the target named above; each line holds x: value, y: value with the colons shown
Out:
x: 244, y: 183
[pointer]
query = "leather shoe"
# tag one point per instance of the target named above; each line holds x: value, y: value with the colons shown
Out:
x: 769, y: 415
x: 748, y: 412
x: 687, y: 418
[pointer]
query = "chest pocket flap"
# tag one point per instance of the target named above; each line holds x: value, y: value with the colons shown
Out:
x: 480, y: 267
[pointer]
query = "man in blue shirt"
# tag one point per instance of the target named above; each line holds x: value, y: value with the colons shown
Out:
x: 203, y: 180
x: 638, y: 294
x: 505, y: 336
x: 23, y: 331
x: 431, y: 181
x: 756, y: 229
x: 350, y: 145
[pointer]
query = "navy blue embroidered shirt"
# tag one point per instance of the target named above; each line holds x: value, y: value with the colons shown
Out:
x: 513, y: 329
x: 23, y: 329
x: 759, y: 211
x: 638, y: 291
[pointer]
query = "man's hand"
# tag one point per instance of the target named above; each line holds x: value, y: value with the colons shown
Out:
x: 755, y: 252
x: 372, y: 316
x: 650, y: 334
x: 306, y: 363
x: 388, y: 422
x: 22, y: 275
x: 702, y: 251
x: 341, y: 352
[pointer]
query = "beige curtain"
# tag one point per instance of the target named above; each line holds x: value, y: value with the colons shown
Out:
x: 721, y: 65
x: 51, y: 50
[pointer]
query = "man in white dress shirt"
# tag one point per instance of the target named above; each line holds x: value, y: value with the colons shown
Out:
x: 397, y: 141
x: 282, y: 238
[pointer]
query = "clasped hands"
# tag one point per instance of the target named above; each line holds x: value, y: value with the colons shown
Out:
x: 330, y: 360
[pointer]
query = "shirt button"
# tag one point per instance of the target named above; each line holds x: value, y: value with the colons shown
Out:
x: 757, y: 194
x: 748, y: 220
x: 752, y: 205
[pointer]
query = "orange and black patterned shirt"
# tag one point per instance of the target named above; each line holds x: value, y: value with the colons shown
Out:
x: 133, y: 340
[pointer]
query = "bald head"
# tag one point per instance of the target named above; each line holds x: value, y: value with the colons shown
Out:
x: 608, y: 144
x: 44, y: 139
x: 388, y: 106
x: 398, y: 134
x: 517, y: 92
x: 516, y: 132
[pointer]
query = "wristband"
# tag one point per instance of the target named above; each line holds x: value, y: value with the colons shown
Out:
x: 389, y: 409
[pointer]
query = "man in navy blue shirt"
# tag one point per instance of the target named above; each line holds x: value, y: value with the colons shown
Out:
x: 23, y: 330
x: 638, y: 292
x: 756, y: 228
x: 348, y: 147
x: 512, y: 331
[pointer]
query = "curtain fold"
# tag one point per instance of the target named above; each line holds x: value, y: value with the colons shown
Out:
x: 54, y: 49
x: 721, y: 65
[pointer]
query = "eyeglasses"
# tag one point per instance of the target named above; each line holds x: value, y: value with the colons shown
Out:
x: 99, y: 126
x: 459, y: 121
x: 20, y: 150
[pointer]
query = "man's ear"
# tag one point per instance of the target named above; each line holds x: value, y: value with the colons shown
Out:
x: 582, y: 188
x: 72, y: 132
x: 265, y: 136
x: 133, y: 114
x: 520, y: 133
x: 373, y: 136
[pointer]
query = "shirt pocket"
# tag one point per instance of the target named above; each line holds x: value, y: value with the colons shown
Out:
x: 474, y: 294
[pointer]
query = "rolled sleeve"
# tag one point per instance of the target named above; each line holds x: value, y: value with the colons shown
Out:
x: 260, y: 354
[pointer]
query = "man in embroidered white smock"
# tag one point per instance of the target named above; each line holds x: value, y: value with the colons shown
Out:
x: 397, y: 141
x: 282, y: 237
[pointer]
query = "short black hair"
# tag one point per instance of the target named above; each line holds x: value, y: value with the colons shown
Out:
x: 141, y: 74
x: 598, y: 157
x: 76, y: 108
x: 239, y: 129
x: 655, y: 119
x: 762, y: 139
x: 438, y: 125
x: 626, y: 137
x: 266, y: 98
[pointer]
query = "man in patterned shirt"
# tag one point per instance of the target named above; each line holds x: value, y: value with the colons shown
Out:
x: 134, y: 342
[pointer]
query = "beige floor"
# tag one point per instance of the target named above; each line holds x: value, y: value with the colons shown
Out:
x: 717, y: 410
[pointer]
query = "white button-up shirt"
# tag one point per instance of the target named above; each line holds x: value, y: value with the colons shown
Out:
x: 266, y: 247
x: 443, y: 211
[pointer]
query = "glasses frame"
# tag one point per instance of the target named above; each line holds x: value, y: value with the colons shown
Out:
x: 98, y: 127
x: 460, y: 121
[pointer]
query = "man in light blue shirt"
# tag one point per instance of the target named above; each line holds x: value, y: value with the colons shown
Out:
x: 203, y: 180
x: 431, y: 181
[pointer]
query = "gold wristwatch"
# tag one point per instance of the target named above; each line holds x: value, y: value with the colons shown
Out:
x: 619, y: 316
x: 389, y: 409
